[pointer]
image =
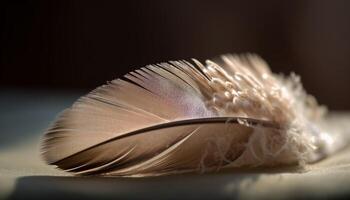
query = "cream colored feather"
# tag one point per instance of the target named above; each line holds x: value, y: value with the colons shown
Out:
x: 183, y: 117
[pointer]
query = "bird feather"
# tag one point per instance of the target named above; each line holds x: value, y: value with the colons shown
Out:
x: 181, y: 116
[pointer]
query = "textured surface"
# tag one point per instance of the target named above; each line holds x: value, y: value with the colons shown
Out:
x: 23, y: 175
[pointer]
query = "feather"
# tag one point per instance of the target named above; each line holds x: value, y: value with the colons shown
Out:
x: 180, y: 116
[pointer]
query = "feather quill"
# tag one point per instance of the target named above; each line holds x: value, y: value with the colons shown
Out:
x: 184, y: 116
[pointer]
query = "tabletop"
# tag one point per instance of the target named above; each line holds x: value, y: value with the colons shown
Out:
x: 25, y: 114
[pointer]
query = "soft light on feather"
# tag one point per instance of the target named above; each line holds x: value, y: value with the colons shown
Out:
x: 180, y: 116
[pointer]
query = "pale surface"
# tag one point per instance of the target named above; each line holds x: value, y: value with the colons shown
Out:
x: 25, y: 114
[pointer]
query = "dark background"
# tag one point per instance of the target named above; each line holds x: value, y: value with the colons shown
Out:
x: 58, y: 45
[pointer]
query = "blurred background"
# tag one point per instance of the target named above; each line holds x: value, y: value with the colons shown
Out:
x: 67, y: 45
